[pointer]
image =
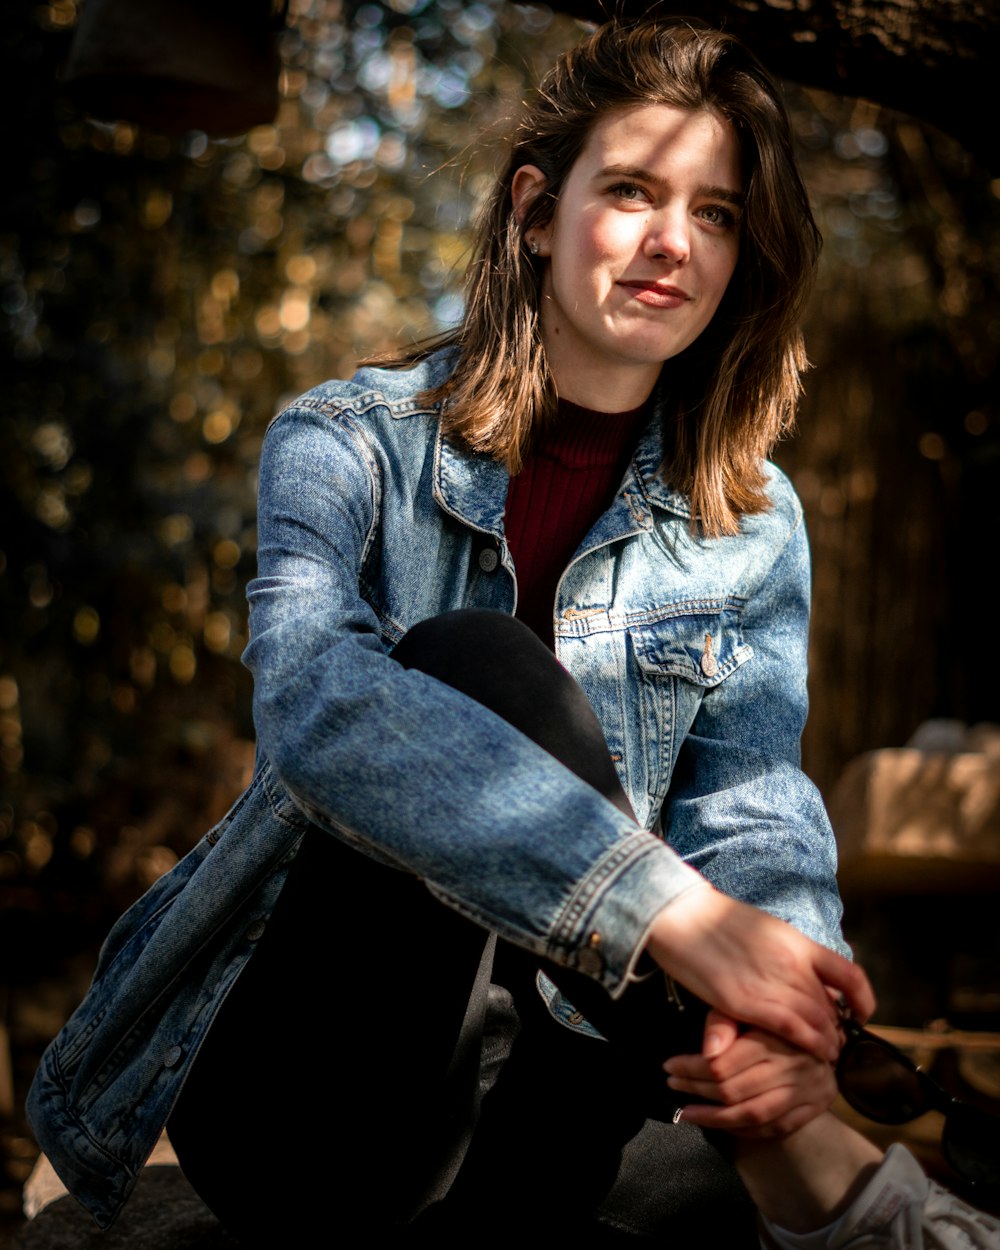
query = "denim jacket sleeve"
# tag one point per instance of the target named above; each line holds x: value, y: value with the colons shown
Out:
x: 739, y: 808
x: 402, y: 766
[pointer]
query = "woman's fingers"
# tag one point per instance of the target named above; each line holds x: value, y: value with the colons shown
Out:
x: 753, y: 1082
x: 767, y: 1116
x: 722, y: 1067
x: 720, y: 1032
x: 847, y: 979
x: 757, y: 969
x: 761, y: 1085
x: 801, y: 1020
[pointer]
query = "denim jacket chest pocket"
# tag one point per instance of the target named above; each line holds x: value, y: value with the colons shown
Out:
x: 680, y: 657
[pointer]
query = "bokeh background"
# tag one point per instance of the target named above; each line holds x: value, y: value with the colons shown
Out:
x: 162, y: 297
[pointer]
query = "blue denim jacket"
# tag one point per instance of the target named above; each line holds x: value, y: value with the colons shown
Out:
x: 692, y: 652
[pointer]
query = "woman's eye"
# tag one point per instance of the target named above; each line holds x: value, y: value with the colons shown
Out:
x: 627, y: 191
x: 717, y: 215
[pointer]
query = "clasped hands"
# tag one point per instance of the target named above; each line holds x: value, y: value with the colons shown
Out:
x: 760, y: 1085
x: 772, y: 1032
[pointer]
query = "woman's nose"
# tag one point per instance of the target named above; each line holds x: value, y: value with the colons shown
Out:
x: 669, y: 237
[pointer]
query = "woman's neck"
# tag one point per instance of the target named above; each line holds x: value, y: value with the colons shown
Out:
x: 619, y: 390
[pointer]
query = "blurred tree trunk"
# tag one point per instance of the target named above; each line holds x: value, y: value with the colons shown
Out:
x: 934, y: 59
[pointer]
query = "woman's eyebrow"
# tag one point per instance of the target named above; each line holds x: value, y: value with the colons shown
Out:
x: 637, y: 172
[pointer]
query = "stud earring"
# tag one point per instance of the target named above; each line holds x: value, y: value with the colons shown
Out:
x: 533, y: 246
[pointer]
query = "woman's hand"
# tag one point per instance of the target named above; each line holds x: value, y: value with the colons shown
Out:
x: 758, y: 969
x: 766, y: 1088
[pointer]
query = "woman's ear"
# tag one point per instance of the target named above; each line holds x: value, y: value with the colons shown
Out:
x: 529, y: 182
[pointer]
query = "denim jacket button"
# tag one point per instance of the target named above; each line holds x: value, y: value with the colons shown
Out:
x: 488, y: 560
x: 709, y: 664
x: 171, y: 1056
x: 256, y: 931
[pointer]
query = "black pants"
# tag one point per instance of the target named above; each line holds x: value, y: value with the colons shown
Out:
x: 339, y: 1084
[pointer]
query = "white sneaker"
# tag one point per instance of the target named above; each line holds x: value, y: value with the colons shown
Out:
x: 899, y: 1209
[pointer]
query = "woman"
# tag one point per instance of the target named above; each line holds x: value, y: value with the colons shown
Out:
x: 429, y: 775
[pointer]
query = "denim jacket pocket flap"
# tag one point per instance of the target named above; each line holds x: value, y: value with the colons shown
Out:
x: 703, y: 646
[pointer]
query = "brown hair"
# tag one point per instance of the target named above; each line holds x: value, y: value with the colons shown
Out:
x: 731, y: 394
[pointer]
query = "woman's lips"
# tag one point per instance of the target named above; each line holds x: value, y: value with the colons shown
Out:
x: 656, y: 294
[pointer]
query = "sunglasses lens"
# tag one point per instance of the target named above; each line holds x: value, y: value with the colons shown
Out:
x: 880, y: 1083
x: 971, y: 1144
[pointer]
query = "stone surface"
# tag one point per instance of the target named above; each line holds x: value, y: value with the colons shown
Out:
x: 923, y: 817
x: 164, y: 1213
x: 672, y: 1186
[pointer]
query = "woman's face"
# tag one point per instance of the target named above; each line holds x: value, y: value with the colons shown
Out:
x: 639, y: 251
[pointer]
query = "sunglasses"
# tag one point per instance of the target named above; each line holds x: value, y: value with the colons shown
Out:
x: 884, y: 1085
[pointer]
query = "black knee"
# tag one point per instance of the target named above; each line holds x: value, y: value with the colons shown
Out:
x: 498, y: 661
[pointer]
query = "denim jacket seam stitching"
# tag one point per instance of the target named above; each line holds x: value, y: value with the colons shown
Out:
x: 273, y: 791
x: 361, y: 405
x: 81, y: 1041
x: 75, y: 1113
x: 664, y: 695
x: 690, y: 674
x: 705, y: 606
x: 111, y: 1156
x: 213, y: 835
x: 604, y: 621
x: 363, y: 445
x: 581, y: 903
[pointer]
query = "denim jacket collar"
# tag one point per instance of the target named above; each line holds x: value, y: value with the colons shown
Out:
x: 646, y: 463
x: 473, y: 488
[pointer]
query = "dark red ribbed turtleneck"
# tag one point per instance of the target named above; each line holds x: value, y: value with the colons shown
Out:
x: 566, y: 483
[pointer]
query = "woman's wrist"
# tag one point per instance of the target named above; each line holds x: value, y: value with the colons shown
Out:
x: 676, y: 924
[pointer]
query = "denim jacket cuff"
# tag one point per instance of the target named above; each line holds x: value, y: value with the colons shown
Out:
x: 603, y: 928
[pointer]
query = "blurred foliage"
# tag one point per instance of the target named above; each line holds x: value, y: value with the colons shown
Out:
x: 162, y: 297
